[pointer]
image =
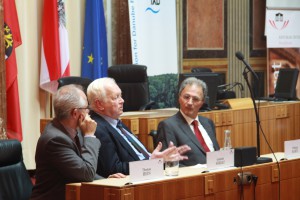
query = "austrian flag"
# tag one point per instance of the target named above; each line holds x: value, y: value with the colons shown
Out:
x: 55, y: 45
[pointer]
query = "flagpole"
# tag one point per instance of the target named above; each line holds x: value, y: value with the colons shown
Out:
x: 51, y: 108
x: 3, y: 111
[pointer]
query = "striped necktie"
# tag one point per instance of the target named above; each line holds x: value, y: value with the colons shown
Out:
x: 132, y: 141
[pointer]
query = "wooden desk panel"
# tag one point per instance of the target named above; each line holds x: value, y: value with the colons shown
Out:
x: 280, y: 122
x: 195, y: 185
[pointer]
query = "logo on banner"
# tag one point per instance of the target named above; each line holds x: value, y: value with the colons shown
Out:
x: 152, y: 9
x: 8, y: 37
x: 279, y: 23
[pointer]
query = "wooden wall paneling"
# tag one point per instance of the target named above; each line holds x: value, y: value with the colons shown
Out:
x: 297, y: 127
x: 94, y: 193
x: 244, y: 134
x: 122, y: 34
x: 132, y: 124
x: 243, y: 116
x: 219, y: 185
x: 282, y: 125
x: 296, y: 121
x: 282, y: 131
x: 146, y: 125
x: 215, y: 64
x: 290, y: 176
x: 204, y: 36
x: 279, y: 122
x: 73, y: 191
x: 220, y: 134
x: 189, y: 187
x: 154, y: 192
x: 266, y: 112
x: 257, y: 38
x: 291, y: 121
x: 268, y: 127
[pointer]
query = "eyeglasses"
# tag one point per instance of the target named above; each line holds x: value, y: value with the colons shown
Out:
x: 195, y: 99
x: 81, y: 108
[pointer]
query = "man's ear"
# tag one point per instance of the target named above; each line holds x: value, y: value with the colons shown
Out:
x: 74, y: 112
x: 99, y: 104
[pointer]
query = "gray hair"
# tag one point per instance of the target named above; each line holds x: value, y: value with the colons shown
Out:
x: 96, y: 90
x: 193, y: 81
x: 67, y: 98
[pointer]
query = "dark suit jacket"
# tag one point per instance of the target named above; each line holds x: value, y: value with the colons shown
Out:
x: 177, y: 130
x: 59, y: 161
x: 115, y: 153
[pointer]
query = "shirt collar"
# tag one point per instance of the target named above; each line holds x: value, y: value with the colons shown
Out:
x: 72, y: 132
x: 110, y: 120
x: 67, y: 130
x: 188, y: 119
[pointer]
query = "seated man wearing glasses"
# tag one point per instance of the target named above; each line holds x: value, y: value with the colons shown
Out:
x: 67, y: 150
x: 186, y: 127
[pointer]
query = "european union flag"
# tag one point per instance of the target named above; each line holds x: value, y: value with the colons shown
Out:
x: 94, y: 56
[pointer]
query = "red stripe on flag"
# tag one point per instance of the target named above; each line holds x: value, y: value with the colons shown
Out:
x: 14, y: 123
x: 12, y: 34
x: 55, y: 46
x: 51, y: 39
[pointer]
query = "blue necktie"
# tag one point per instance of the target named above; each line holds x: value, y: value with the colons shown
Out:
x: 132, y: 141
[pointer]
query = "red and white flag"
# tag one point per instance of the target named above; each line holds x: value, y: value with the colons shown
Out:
x: 55, y: 60
x: 12, y: 38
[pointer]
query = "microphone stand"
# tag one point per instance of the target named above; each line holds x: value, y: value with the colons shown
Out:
x: 259, y: 159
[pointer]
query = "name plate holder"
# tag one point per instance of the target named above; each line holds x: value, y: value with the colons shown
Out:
x: 220, y: 159
x: 292, y: 149
x: 146, y: 170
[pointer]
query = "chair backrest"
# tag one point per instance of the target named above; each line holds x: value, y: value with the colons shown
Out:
x: 15, y: 183
x: 133, y: 81
x: 84, y: 82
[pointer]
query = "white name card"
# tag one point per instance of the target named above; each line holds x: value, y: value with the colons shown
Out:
x: 292, y: 149
x: 146, y: 169
x: 220, y: 159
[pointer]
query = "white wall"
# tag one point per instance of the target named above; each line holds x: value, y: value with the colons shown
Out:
x: 286, y: 5
x: 34, y: 102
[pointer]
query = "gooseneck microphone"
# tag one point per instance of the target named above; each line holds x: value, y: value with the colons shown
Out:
x: 240, y: 56
x: 259, y: 159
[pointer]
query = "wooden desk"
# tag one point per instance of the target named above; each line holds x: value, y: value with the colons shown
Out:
x: 279, y: 122
x: 191, y: 184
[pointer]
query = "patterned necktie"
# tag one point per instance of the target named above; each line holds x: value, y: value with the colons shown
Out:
x: 199, y: 136
x: 132, y: 141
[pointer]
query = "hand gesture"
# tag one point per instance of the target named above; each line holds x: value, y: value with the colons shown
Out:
x: 87, y: 125
x: 171, y: 153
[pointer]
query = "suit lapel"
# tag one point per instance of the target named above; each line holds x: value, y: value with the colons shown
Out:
x: 187, y: 131
x: 116, y: 136
x: 209, y: 131
x: 60, y: 127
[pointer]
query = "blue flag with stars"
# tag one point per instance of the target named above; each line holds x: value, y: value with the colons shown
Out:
x: 94, y: 56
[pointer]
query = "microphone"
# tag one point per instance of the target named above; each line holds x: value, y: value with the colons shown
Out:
x: 224, y: 85
x: 241, y: 88
x: 259, y: 159
x: 240, y: 56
